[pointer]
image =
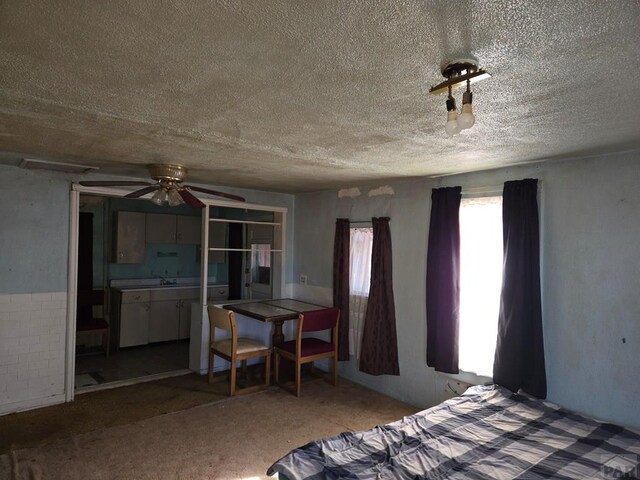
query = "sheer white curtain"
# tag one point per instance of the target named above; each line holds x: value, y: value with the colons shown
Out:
x: 359, y: 282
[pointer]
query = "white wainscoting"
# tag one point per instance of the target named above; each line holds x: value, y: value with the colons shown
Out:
x: 32, y: 350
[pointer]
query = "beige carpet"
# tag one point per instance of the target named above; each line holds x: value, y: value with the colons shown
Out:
x: 235, y: 439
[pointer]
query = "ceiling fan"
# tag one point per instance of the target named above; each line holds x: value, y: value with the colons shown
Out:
x: 169, y: 189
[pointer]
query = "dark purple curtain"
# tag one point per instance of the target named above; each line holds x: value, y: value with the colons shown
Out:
x: 379, y: 352
x: 443, y: 279
x: 341, y: 248
x: 519, y: 359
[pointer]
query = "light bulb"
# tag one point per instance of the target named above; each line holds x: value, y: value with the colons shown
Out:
x: 466, y: 118
x: 174, y: 198
x: 160, y: 197
x: 452, y: 127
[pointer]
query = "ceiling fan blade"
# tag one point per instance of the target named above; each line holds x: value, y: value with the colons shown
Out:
x: 113, y: 183
x: 215, y: 192
x: 190, y: 199
x: 143, y: 191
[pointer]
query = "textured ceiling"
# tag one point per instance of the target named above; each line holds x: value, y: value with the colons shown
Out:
x: 307, y: 95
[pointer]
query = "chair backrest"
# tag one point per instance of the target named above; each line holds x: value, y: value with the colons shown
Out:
x: 222, y: 319
x: 317, y: 320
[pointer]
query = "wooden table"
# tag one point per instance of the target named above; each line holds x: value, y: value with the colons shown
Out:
x: 274, y: 311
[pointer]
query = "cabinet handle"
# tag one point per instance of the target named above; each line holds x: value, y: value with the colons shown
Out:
x: 221, y: 292
x: 138, y: 297
x: 178, y: 304
x: 147, y: 307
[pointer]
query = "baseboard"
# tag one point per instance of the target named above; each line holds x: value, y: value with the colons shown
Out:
x: 31, y: 404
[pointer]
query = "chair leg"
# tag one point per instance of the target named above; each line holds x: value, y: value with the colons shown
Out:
x: 210, y: 366
x: 335, y: 370
x: 267, y: 372
x: 232, y: 388
x: 108, y: 346
x: 277, y: 366
x: 298, y: 371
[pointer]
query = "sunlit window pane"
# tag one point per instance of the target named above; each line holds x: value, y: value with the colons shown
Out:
x: 480, y: 282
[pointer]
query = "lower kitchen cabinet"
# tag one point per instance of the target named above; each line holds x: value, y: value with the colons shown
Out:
x: 164, y: 320
x: 134, y: 319
x: 157, y: 315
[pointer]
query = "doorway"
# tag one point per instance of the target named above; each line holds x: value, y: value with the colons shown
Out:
x: 137, y: 276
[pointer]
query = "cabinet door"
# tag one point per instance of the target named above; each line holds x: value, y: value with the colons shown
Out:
x: 129, y: 241
x: 161, y: 228
x: 134, y: 324
x: 189, y: 230
x: 164, y: 320
x: 185, y: 317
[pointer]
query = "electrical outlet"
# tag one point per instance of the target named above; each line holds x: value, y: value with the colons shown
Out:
x: 303, y: 279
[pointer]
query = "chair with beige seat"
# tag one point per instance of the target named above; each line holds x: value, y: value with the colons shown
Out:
x: 234, y: 349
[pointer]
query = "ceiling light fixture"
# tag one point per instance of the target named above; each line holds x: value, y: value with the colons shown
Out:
x: 459, y: 73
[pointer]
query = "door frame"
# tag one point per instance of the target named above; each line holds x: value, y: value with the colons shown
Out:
x: 72, y: 277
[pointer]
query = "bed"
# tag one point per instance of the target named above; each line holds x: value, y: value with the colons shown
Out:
x: 488, y: 432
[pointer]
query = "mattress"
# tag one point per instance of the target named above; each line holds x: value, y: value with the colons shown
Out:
x: 488, y: 432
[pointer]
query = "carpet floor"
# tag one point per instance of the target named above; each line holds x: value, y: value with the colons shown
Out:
x: 221, y: 438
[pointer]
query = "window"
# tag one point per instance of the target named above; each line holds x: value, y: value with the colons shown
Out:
x: 359, y: 281
x: 480, y: 282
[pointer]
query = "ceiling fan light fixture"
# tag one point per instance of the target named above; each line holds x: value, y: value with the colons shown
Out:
x: 174, y: 198
x: 168, y: 188
x: 161, y: 197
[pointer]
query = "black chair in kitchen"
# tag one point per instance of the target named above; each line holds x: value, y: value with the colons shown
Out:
x: 87, y: 323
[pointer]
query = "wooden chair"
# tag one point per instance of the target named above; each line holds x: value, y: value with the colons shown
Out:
x: 235, y: 349
x: 305, y: 350
x: 86, y: 323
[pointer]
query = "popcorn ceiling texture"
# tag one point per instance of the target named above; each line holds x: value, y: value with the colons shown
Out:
x: 307, y: 95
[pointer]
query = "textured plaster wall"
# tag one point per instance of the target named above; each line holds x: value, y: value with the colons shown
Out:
x: 34, y: 211
x: 590, y: 261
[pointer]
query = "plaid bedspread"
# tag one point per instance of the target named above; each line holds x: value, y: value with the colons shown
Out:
x: 488, y: 432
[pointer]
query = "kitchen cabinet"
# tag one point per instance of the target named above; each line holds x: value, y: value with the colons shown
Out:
x: 129, y: 237
x: 172, y: 229
x: 134, y: 319
x: 160, y: 228
x: 188, y: 230
x: 164, y: 320
x: 158, y: 314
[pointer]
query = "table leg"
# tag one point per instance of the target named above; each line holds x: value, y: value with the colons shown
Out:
x: 278, y: 336
x: 276, y: 339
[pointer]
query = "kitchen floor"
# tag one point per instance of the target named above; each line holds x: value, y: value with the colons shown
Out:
x: 131, y: 362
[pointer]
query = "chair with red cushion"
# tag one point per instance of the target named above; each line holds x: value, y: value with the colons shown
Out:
x: 306, y: 350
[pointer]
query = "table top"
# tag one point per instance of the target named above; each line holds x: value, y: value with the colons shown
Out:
x: 273, y: 310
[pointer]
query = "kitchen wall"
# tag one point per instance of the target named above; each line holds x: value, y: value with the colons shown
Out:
x: 34, y: 241
x: 590, y: 262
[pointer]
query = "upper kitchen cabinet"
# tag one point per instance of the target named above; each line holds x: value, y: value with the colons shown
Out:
x: 166, y: 228
x: 161, y: 228
x: 188, y: 230
x: 129, y: 241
